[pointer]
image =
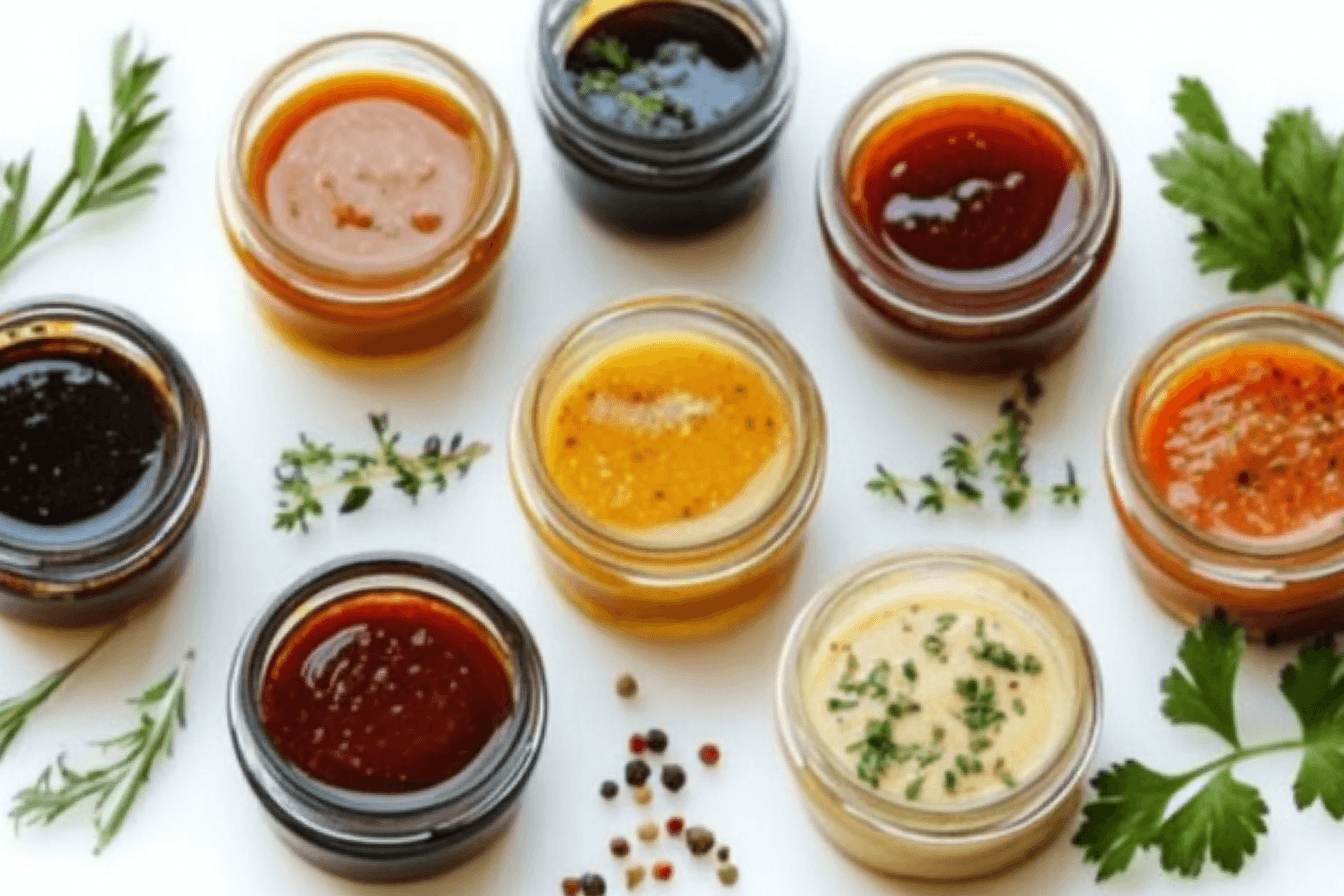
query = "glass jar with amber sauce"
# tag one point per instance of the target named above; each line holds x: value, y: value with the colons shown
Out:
x: 104, y: 457
x: 969, y: 203
x: 1225, y: 461
x: 369, y: 187
x: 989, y: 700
x: 388, y: 710
x: 668, y: 452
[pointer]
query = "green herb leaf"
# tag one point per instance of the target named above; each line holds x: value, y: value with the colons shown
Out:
x: 1195, y: 105
x: 1314, y: 687
x: 1221, y: 822
x: 1126, y: 815
x: 1303, y: 162
x: 1211, y: 655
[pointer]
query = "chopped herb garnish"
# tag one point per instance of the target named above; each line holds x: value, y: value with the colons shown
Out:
x: 902, y: 706
x: 981, y: 711
x: 836, y: 704
x: 968, y: 765
x: 1008, y: 779
x: 980, y: 744
x: 945, y: 622
x: 935, y: 647
x: 949, y: 780
x: 910, y: 672
x: 1019, y: 707
x: 912, y: 789
x: 1031, y: 665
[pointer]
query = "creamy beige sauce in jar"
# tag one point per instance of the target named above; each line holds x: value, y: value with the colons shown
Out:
x: 939, y: 698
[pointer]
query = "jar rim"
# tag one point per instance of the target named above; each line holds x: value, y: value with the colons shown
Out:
x: 1073, y: 260
x: 470, y: 797
x: 795, y: 492
x: 170, y: 508
x: 747, y: 126
x: 1126, y: 417
x: 333, y: 282
x: 1036, y: 797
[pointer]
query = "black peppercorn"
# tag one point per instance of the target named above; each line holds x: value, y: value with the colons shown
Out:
x: 673, y: 777
x: 637, y: 772
x: 656, y: 740
x: 699, y: 840
x: 593, y: 885
x: 620, y: 847
x: 723, y: 853
x: 609, y: 790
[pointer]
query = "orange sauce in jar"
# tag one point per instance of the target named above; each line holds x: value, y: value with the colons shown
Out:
x: 1248, y: 443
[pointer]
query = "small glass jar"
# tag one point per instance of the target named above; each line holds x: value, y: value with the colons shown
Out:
x: 94, y: 571
x: 1281, y: 588
x: 688, y: 583
x: 994, y: 320
x: 354, y: 307
x: 968, y: 838
x: 666, y: 185
x: 390, y: 836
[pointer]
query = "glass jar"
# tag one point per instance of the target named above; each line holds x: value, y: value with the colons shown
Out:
x: 990, y: 320
x: 390, y: 836
x: 670, y: 582
x: 1287, y: 587
x: 95, y: 570
x: 675, y: 184
x: 353, y: 306
x: 965, y: 838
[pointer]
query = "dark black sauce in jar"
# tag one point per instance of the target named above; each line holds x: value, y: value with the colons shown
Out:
x: 665, y: 114
x: 80, y: 438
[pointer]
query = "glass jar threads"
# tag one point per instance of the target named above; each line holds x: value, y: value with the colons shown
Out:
x: 369, y: 188
x: 969, y: 203
x: 974, y: 696
x: 665, y: 113
x: 1223, y: 450
x: 668, y: 452
x: 107, y: 447
x: 387, y: 711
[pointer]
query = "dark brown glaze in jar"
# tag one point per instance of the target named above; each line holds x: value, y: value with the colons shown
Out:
x: 970, y: 204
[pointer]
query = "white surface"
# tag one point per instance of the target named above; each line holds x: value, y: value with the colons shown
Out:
x: 197, y: 828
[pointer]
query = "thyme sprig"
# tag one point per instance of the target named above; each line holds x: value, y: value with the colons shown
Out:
x: 307, y: 472
x: 113, y: 787
x: 963, y: 463
x: 97, y: 177
x: 15, y: 711
x: 609, y: 58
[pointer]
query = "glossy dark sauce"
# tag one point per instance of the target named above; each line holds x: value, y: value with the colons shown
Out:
x: 385, y: 692
x: 968, y: 183
x: 703, y: 66
x: 78, y: 433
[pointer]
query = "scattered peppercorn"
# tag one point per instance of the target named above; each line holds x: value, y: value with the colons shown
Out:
x: 723, y: 854
x: 709, y: 754
x: 699, y: 840
x: 626, y: 687
x: 637, y: 772
x: 570, y: 886
x: 620, y: 847
x: 657, y: 740
x: 675, y: 825
x: 647, y: 831
x: 593, y: 885
x: 727, y: 875
x: 643, y: 796
x: 673, y: 777
x: 609, y: 790
x: 634, y: 876
x: 662, y: 870
x: 637, y: 743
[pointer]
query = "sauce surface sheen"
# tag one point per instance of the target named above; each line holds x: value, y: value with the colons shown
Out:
x: 385, y: 692
x: 967, y: 182
x: 664, y: 429
x: 1248, y: 443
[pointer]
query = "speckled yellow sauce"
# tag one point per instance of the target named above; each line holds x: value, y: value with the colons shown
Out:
x: 664, y: 428
x: 948, y: 752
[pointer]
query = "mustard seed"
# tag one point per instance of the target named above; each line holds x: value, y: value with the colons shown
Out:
x: 647, y: 831
x: 634, y: 876
x: 626, y: 686
x: 643, y: 796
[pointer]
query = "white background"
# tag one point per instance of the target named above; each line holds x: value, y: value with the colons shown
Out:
x: 197, y: 829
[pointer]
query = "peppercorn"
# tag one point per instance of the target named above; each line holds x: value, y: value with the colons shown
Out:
x: 727, y: 875
x: 626, y: 686
x: 634, y: 876
x: 662, y: 870
x: 637, y: 743
x: 673, y: 777
x: 570, y: 886
x: 643, y: 796
x: 647, y: 831
x: 709, y: 754
x: 656, y: 739
x: 699, y: 840
x: 609, y: 790
x: 620, y: 847
x: 723, y: 853
x: 637, y: 772
x: 675, y: 825
x: 593, y: 885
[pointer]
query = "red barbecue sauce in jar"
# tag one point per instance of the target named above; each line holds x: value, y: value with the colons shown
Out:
x: 385, y: 692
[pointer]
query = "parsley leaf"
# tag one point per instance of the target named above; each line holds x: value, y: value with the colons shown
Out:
x: 1222, y: 820
x: 1211, y: 654
x: 1195, y: 105
x: 1126, y: 815
x: 1314, y: 686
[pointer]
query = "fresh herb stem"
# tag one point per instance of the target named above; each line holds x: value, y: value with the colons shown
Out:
x: 15, y: 712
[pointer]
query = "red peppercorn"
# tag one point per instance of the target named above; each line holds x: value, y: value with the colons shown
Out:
x: 637, y: 743
x: 662, y: 870
x: 570, y: 886
x: 709, y: 754
x: 675, y: 825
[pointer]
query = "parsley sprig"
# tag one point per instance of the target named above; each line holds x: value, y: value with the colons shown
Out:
x: 111, y: 788
x: 98, y: 176
x: 1003, y: 453
x: 1276, y: 220
x: 307, y: 472
x: 1222, y: 820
